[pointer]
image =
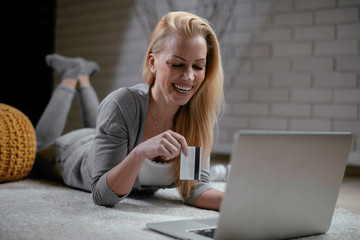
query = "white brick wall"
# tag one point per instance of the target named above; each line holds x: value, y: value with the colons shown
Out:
x: 293, y: 19
x: 291, y: 49
x: 315, y: 33
x: 288, y: 64
x: 310, y: 4
x: 335, y: 80
x: 351, y: 63
x: 310, y: 64
x: 271, y: 65
x: 291, y: 79
x: 349, y: 30
x: 311, y: 95
x: 291, y: 110
x: 266, y: 123
x: 310, y: 125
x: 335, y: 111
x: 343, y: 47
x: 337, y: 15
x: 277, y: 35
x: 347, y: 96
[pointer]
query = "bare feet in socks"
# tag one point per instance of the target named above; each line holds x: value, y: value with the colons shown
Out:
x: 68, y: 67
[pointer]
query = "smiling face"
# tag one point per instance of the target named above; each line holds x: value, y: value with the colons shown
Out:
x: 179, y: 69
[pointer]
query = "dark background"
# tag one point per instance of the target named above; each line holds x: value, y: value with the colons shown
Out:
x: 27, y: 81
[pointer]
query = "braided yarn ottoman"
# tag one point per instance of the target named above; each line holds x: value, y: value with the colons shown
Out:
x: 17, y: 144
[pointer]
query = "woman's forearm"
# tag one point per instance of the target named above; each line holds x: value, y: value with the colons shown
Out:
x: 121, y: 178
x: 167, y: 145
x: 210, y: 199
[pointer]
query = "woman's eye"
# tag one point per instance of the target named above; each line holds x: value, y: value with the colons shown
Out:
x: 174, y: 65
x: 198, y: 67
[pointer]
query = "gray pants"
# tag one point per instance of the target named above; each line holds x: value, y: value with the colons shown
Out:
x: 52, y: 122
x: 51, y: 125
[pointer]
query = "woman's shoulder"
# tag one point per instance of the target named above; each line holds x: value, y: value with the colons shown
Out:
x: 139, y: 92
x: 127, y: 101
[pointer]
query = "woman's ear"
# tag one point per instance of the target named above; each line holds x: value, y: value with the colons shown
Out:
x: 152, y: 62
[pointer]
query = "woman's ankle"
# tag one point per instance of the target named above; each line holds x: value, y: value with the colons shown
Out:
x: 83, y: 81
x: 69, y: 82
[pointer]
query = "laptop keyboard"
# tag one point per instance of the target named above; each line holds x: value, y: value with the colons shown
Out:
x: 210, y: 232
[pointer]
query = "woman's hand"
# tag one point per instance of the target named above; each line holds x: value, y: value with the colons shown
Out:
x: 210, y: 199
x: 166, y: 145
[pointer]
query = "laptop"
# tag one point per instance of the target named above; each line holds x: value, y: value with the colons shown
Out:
x: 282, y: 184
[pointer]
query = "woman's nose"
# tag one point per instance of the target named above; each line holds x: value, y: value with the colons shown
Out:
x: 189, y: 75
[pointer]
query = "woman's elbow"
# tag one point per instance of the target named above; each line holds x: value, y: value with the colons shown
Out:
x: 106, y: 201
x: 102, y: 202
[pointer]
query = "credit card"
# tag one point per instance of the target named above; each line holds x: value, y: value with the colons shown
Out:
x: 190, y: 165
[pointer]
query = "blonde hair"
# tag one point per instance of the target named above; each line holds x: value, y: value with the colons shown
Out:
x: 195, y: 120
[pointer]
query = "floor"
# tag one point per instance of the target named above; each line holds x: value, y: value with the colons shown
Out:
x: 349, y: 196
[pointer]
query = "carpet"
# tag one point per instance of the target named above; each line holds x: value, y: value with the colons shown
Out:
x: 39, y: 209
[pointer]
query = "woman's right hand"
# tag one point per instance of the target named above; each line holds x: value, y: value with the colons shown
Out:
x: 166, y: 145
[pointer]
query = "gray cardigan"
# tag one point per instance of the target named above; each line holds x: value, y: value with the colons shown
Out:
x: 119, y: 129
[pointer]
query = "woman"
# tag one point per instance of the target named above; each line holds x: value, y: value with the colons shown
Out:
x: 140, y: 131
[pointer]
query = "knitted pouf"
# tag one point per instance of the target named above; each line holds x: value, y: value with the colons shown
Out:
x: 17, y: 144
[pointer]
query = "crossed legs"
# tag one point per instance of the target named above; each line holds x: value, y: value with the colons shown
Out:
x: 74, y: 73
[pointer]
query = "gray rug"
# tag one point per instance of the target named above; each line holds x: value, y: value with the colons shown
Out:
x: 38, y: 209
